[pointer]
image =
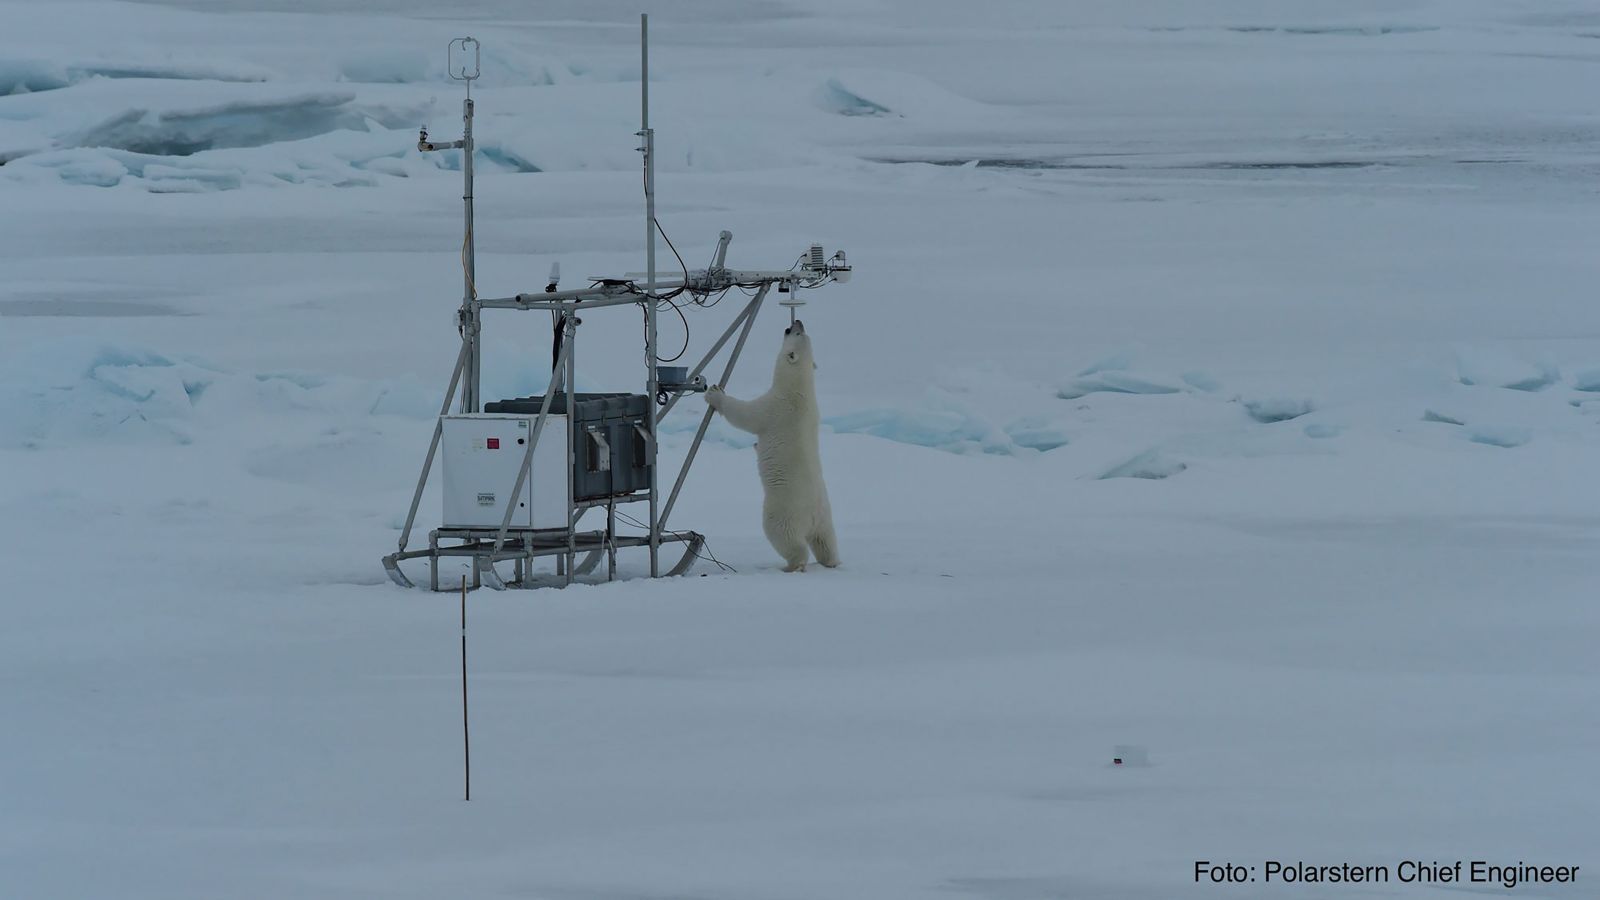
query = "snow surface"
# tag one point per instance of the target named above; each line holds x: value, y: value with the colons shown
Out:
x: 1219, y: 380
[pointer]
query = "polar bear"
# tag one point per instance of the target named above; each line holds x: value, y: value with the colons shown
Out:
x: 794, y: 508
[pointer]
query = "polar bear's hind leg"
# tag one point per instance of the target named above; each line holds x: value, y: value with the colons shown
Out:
x: 790, y: 543
x: 793, y: 552
x: 825, y: 546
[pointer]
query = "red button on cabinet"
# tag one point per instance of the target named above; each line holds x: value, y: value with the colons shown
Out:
x: 494, y: 443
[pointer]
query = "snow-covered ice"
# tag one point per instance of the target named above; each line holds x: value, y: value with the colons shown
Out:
x: 1218, y: 380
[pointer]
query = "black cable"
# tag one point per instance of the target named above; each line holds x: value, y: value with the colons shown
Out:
x: 645, y: 184
x: 685, y: 348
x: 668, y: 298
x: 704, y: 305
x: 674, y: 253
x: 709, y: 557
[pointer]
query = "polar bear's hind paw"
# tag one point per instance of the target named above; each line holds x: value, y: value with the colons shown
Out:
x: 822, y: 546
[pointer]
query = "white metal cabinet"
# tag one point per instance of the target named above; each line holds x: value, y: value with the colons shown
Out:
x: 482, y: 453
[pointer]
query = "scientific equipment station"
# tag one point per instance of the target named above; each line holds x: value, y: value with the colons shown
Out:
x: 520, y: 474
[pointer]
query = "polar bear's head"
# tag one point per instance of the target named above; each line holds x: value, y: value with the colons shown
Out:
x: 795, y: 363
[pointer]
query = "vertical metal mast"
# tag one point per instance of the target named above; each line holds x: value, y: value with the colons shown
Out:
x: 469, y: 268
x: 649, y: 148
x: 469, y: 318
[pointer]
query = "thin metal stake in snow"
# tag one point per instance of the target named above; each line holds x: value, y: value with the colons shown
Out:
x: 466, y: 734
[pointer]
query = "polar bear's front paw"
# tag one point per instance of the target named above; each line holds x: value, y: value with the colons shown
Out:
x: 714, y: 395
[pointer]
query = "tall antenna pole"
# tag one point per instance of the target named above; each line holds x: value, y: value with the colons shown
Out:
x: 471, y: 315
x: 469, y: 265
x: 649, y: 148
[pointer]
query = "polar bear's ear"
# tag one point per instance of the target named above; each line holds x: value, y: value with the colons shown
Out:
x: 813, y: 367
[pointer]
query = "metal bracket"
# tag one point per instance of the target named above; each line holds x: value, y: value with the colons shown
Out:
x: 459, y: 72
x: 598, y: 457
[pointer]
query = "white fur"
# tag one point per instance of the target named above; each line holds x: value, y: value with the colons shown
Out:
x: 794, y: 511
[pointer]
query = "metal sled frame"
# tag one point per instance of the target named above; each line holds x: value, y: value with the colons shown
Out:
x: 521, y: 545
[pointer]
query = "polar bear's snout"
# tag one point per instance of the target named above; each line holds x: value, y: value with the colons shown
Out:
x: 798, y: 327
